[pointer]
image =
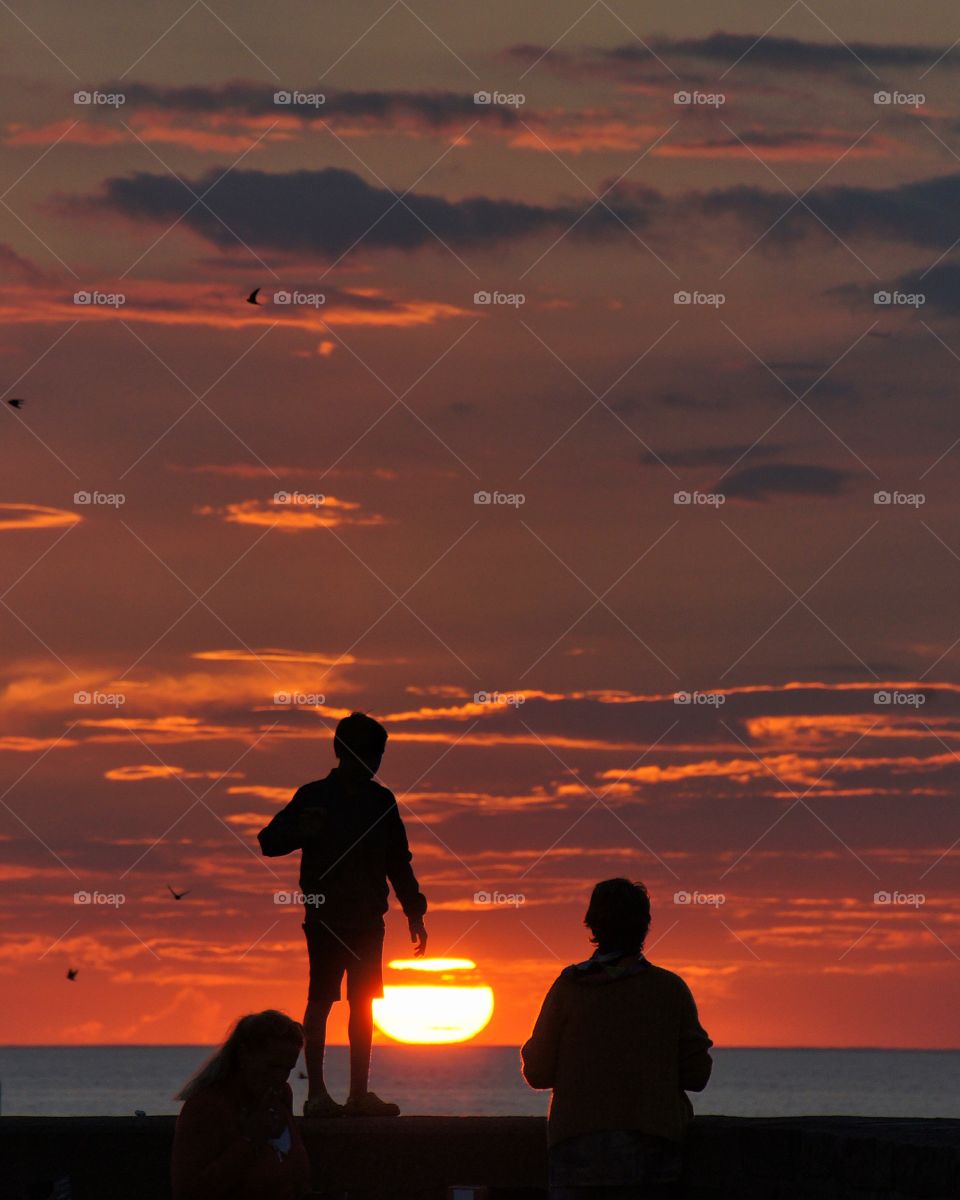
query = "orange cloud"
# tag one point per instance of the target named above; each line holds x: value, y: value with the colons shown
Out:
x: 35, y: 516
x: 289, y: 518
x: 173, y: 303
x: 140, y: 771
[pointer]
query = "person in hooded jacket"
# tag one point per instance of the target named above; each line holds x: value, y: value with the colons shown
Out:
x: 619, y: 1042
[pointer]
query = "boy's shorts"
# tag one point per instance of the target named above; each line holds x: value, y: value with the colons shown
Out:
x: 359, y: 952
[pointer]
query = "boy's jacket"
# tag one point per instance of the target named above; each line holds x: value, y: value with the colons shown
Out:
x: 363, y: 844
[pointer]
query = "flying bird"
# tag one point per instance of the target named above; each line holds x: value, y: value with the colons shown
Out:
x: 15, y: 403
x: 71, y: 973
x: 177, y: 895
x: 252, y: 298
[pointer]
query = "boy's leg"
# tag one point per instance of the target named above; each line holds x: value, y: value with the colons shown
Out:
x: 314, y: 1044
x: 360, y: 1030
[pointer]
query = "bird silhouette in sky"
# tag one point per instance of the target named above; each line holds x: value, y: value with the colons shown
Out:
x: 71, y: 973
x: 16, y: 402
x: 252, y: 298
x: 177, y: 895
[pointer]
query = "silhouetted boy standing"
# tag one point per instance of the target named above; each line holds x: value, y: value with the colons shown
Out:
x: 353, y: 840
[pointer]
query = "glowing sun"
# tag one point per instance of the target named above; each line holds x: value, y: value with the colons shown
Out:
x: 453, y: 1007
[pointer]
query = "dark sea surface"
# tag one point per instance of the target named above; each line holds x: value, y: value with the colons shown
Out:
x: 485, y: 1081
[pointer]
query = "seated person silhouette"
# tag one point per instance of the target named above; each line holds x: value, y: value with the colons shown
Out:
x: 353, y: 840
x: 235, y: 1137
x: 620, y: 1043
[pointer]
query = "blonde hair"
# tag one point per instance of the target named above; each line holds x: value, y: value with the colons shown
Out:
x: 251, y: 1030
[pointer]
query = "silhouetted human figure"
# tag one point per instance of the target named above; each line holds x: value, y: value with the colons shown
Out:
x: 235, y: 1137
x: 353, y: 840
x: 620, y: 1043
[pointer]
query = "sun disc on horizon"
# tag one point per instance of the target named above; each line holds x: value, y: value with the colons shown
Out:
x: 453, y: 1007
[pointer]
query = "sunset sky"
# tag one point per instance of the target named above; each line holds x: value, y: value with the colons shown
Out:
x: 584, y: 198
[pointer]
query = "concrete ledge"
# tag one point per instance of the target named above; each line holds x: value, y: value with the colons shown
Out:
x: 417, y: 1158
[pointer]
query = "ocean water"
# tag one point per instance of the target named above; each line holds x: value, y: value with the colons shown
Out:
x: 485, y: 1081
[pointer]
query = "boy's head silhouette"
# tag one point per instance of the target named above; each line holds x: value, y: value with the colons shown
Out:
x: 618, y: 916
x: 359, y: 743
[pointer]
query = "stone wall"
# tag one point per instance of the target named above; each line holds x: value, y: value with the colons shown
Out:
x: 417, y: 1158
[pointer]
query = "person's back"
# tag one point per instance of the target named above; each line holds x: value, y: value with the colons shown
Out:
x: 619, y: 1041
x: 619, y: 1049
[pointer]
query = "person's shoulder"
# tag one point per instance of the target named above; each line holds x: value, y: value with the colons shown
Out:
x: 208, y: 1102
x: 315, y: 789
x: 669, y: 981
x: 382, y: 794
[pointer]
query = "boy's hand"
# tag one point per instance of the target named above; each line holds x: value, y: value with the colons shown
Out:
x: 418, y: 934
x: 312, y: 822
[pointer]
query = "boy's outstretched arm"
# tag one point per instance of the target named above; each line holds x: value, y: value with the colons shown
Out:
x: 283, y: 835
x: 404, y: 882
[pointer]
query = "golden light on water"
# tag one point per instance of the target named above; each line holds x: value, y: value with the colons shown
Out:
x: 453, y: 1007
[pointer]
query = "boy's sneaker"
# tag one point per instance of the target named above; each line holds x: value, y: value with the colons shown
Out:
x: 322, y: 1106
x: 370, y: 1105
